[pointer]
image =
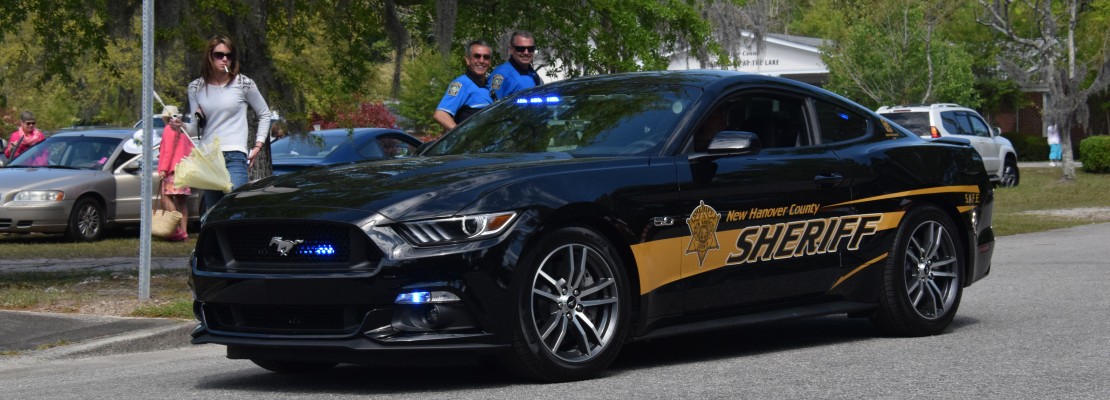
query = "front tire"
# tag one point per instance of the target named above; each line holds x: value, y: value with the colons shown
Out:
x: 86, y: 221
x: 1010, y: 174
x: 573, y: 308
x: 922, y: 280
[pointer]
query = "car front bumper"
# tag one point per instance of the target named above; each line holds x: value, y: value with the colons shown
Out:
x: 27, y: 217
x: 350, y: 311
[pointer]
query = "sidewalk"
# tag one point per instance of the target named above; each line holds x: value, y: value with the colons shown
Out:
x: 61, y: 336
x: 1043, y: 164
x: 91, y: 264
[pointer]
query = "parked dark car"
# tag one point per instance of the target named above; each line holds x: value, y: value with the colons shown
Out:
x: 334, y: 146
x: 571, y: 218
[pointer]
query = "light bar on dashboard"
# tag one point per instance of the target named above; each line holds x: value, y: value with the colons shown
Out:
x: 539, y: 100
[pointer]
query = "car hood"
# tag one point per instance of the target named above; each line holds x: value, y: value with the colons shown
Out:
x: 401, y: 189
x: 292, y: 165
x: 37, y: 178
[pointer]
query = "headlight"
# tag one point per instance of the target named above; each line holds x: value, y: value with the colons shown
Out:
x: 456, y: 229
x: 40, y: 195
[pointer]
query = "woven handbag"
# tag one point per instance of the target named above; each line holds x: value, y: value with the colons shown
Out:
x: 164, y: 223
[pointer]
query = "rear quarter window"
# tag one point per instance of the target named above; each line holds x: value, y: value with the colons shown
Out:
x: 839, y: 124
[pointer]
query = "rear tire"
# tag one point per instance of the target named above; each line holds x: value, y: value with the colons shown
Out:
x: 293, y: 367
x: 573, y: 307
x: 922, y: 281
x: 86, y: 221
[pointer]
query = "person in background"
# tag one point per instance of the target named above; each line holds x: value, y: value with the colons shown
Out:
x: 176, y: 144
x: 24, y: 137
x: 1054, y: 154
x: 221, y: 96
x: 467, y: 94
x: 517, y: 73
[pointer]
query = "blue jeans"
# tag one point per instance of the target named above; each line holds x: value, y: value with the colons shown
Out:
x: 236, y: 162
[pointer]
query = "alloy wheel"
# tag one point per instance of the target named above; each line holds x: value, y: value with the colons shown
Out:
x: 574, y: 303
x: 932, y: 281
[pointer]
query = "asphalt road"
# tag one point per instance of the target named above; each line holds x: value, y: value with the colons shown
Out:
x: 1036, y: 328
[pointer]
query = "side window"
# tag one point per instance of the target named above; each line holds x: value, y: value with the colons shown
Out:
x: 838, y: 123
x: 948, y: 119
x: 777, y: 119
x: 395, y: 148
x: 978, y: 126
x: 964, y: 125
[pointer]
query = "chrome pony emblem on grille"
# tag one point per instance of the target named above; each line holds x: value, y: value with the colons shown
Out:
x: 284, y: 246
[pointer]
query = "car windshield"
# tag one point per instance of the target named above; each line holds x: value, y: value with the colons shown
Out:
x: 76, y: 152
x: 916, y: 122
x: 310, y: 146
x: 598, y: 119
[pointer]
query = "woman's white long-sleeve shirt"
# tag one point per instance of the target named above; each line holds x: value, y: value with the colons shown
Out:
x: 225, y: 108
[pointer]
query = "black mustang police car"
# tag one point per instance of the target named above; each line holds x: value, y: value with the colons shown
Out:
x: 574, y: 217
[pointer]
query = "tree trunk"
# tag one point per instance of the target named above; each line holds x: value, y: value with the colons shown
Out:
x: 446, y: 14
x: 398, y: 36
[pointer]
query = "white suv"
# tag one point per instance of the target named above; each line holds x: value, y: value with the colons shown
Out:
x: 936, y: 120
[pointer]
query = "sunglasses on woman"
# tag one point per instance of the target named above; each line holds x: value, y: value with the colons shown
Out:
x: 218, y: 55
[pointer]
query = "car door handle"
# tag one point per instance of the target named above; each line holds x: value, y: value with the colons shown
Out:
x: 828, y: 180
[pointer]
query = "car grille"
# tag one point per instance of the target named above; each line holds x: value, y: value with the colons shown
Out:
x: 307, y: 243
x: 284, y: 320
x: 286, y: 247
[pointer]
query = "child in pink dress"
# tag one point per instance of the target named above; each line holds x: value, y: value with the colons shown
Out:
x: 175, y: 146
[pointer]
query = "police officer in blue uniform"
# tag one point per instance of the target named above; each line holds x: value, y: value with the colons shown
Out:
x: 517, y: 73
x: 468, y: 93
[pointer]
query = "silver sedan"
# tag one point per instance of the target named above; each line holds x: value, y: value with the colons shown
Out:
x: 78, y: 183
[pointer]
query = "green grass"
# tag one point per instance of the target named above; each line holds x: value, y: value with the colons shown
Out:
x: 1042, y: 190
x: 179, y: 308
x: 118, y: 244
x: 98, y: 292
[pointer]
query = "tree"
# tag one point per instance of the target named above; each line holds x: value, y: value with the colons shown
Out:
x: 1040, y: 39
x: 890, y: 55
x: 313, y: 56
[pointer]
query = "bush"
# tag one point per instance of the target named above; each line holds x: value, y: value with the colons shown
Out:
x: 1096, y: 154
x: 1028, y: 147
x: 367, y: 115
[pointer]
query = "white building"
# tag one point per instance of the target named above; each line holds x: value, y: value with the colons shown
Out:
x: 787, y: 56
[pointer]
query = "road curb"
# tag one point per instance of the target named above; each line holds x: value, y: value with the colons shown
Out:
x: 175, y: 335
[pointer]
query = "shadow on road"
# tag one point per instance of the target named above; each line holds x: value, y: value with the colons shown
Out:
x: 486, y: 374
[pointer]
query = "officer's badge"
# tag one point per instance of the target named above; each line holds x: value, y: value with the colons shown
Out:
x: 703, y: 231
x: 496, y: 83
x: 454, y: 89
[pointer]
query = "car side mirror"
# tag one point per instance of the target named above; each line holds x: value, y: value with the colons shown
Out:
x: 731, y: 143
x: 735, y: 143
x: 996, y: 131
x: 132, y: 166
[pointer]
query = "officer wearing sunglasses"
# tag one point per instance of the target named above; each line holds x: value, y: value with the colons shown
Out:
x: 517, y: 73
x: 468, y: 93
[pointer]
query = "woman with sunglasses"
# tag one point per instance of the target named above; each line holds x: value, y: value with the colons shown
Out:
x: 221, y: 96
x: 24, y: 137
x: 468, y: 93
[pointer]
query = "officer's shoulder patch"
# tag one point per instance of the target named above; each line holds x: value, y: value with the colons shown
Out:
x: 453, y: 90
x: 496, y: 83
